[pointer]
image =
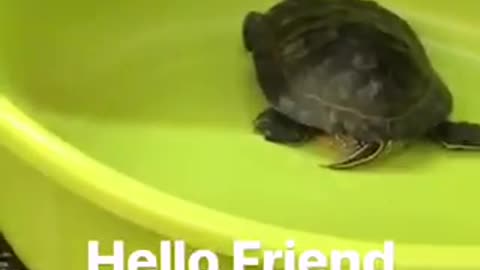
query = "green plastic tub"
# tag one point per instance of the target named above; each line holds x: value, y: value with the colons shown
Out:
x: 131, y: 120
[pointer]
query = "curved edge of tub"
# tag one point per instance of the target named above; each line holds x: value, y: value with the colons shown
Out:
x: 197, y: 225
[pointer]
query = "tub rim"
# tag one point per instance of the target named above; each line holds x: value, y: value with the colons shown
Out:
x: 198, y: 225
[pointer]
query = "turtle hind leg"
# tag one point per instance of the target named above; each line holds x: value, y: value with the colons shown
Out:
x: 457, y: 135
x: 277, y: 128
x: 364, y: 153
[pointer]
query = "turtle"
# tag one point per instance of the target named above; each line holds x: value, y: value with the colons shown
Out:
x: 353, y: 70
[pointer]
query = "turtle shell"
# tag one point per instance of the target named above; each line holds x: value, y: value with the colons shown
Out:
x: 350, y: 67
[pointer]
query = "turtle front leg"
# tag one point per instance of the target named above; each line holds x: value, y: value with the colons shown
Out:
x: 277, y: 128
x: 363, y: 153
x: 457, y: 135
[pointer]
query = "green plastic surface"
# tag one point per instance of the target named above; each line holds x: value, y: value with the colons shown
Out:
x: 132, y: 120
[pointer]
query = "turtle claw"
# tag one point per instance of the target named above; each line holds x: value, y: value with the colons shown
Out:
x: 277, y: 128
x: 362, y: 154
x: 458, y: 135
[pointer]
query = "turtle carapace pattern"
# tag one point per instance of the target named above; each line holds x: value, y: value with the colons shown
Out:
x: 348, y: 69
